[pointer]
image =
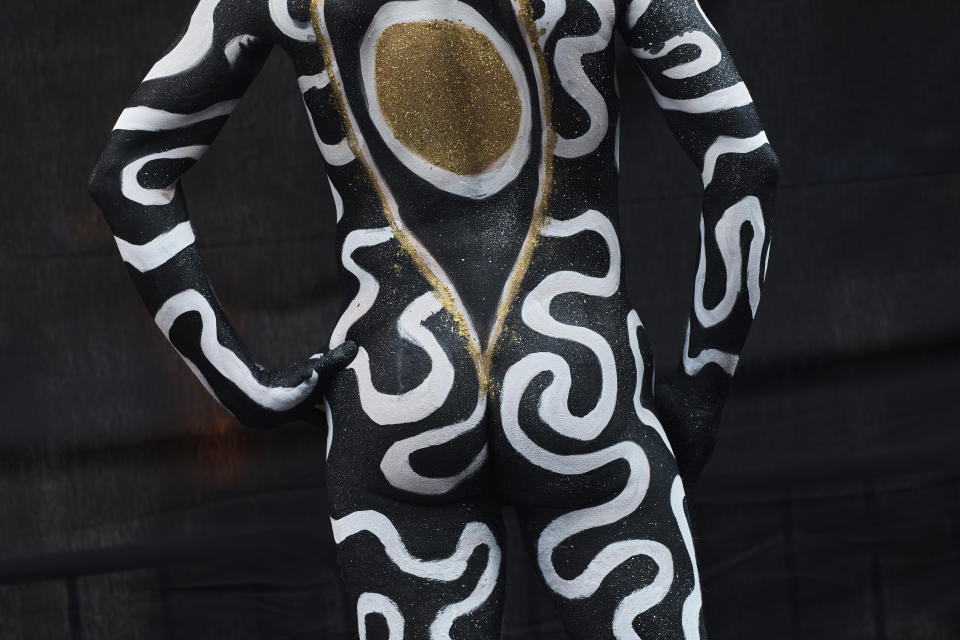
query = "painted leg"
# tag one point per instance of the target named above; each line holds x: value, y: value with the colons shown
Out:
x: 422, y: 571
x: 418, y: 541
x: 634, y: 578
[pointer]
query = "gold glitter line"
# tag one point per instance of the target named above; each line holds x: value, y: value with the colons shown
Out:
x: 442, y: 291
x: 540, y: 213
x: 481, y: 357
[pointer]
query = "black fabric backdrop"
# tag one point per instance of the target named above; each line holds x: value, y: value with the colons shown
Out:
x: 131, y: 506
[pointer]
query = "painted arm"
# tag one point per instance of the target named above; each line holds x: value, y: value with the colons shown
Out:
x: 171, y: 120
x: 709, y: 109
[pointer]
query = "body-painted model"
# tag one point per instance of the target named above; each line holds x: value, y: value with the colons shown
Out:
x: 472, y: 152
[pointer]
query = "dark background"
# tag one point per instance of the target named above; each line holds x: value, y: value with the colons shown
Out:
x: 132, y: 506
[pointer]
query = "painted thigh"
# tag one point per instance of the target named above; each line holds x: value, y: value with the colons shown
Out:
x: 596, y: 488
x: 419, y: 544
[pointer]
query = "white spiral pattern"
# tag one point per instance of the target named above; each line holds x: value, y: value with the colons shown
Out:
x: 453, y: 567
x: 573, y: 78
x: 554, y: 412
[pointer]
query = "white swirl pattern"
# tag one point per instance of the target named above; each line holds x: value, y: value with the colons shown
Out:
x: 553, y: 410
x: 453, y: 567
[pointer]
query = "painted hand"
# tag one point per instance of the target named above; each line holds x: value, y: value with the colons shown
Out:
x: 298, y: 375
x: 692, y: 423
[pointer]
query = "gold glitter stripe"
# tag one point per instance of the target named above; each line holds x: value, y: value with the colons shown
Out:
x: 540, y: 217
x: 481, y: 357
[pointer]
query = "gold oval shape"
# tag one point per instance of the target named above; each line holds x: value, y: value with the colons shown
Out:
x: 446, y: 94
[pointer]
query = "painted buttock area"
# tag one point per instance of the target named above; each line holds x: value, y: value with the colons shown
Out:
x: 447, y: 95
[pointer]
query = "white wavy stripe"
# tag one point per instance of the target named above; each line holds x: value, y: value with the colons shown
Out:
x: 646, y: 416
x: 369, y: 603
x: 337, y: 199
x: 647, y: 597
x: 503, y: 170
x: 428, y: 396
x: 573, y: 77
x: 720, y: 100
x: 150, y: 255
x: 337, y: 154
x: 564, y: 527
x: 328, y: 412
x: 554, y: 411
x: 369, y: 287
x: 690, y: 615
x: 315, y: 81
x: 474, y: 534
x: 535, y: 312
x: 226, y: 361
x: 727, y: 235
x: 395, y: 464
x: 766, y: 260
x: 142, y: 118
x: 635, y: 11
x: 553, y: 10
x: 708, y: 57
x: 728, y: 144
x: 192, y: 47
x: 130, y: 184
x: 235, y: 47
x: 432, y: 266
x: 300, y: 30
x: 693, y: 365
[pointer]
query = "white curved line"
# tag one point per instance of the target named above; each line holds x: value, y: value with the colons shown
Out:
x: 447, y: 569
x: 300, y: 30
x: 395, y: 464
x: 647, y: 597
x: 626, y: 502
x: 635, y: 11
x: 503, y: 170
x: 369, y: 603
x: 419, y: 402
x: 555, y: 413
x: 337, y: 154
x: 328, y: 412
x: 693, y: 365
x: 727, y: 236
x: 226, y: 361
x: 130, y: 184
x: 536, y: 314
x: 690, y: 615
x: 646, y: 416
x: 142, y: 118
x: 316, y: 81
x: 337, y: 200
x: 720, y: 100
x: 369, y: 287
x: 728, y: 144
x: 708, y: 57
x: 573, y: 78
x: 235, y: 48
x: 553, y: 10
x: 150, y: 255
x: 192, y: 47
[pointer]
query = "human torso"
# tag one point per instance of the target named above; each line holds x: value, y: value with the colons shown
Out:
x: 472, y: 152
